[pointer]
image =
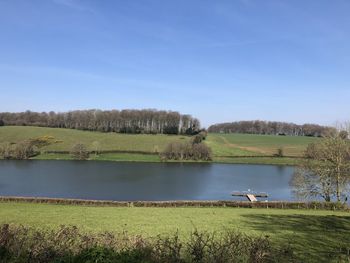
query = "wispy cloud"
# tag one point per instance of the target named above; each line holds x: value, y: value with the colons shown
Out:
x: 74, y: 4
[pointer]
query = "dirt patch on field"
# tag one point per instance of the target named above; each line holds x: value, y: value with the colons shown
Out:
x: 246, y: 148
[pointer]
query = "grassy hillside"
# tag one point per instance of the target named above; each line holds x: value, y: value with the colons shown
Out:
x: 257, y: 145
x: 228, y: 148
x: 107, y: 141
x: 312, y: 233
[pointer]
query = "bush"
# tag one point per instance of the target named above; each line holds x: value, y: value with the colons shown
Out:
x: 69, y: 245
x: 5, y: 151
x: 2, y: 123
x: 280, y: 152
x: 79, y: 152
x: 198, y: 138
x: 342, y: 134
x: 24, y: 150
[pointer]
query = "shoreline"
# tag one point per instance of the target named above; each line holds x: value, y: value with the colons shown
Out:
x: 153, y: 158
x: 315, y: 205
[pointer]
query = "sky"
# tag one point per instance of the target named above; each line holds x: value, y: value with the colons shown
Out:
x: 218, y: 60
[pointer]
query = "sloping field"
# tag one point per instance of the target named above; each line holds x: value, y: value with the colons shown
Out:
x: 106, y: 141
x: 227, y: 148
x: 257, y: 145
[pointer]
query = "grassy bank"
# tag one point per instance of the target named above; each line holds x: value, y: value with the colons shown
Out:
x: 121, y: 157
x: 257, y: 145
x: 106, y: 141
x: 227, y: 148
x: 314, y: 232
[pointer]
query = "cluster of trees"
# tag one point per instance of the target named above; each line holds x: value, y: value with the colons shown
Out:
x: 18, y: 151
x: 25, y: 149
x: 325, y: 171
x: 272, y: 128
x: 195, y: 149
x: 124, y: 121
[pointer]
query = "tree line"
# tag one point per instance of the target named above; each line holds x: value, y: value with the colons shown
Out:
x: 272, y: 128
x: 124, y: 121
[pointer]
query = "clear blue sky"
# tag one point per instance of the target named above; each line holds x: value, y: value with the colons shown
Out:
x: 217, y: 60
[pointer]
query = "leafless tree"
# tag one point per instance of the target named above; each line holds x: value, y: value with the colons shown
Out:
x: 79, y: 152
x: 96, y: 146
x: 325, y: 171
x: 187, y: 151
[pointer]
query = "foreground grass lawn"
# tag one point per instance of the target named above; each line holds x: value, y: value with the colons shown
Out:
x: 312, y: 233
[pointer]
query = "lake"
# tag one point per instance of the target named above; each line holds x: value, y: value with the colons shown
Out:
x: 131, y: 181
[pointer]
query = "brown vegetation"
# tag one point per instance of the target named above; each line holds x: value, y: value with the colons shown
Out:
x: 80, y: 152
x: 68, y: 244
x: 25, y: 149
x: 187, y: 151
x: 20, y: 151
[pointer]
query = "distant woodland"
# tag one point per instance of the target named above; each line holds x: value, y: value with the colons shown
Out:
x: 272, y: 128
x: 153, y: 122
x: 124, y: 121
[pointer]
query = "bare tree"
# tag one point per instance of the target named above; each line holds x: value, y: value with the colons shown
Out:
x: 344, y: 128
x: 187, y: 151
x: 96, y: 146
x: 325, y: 171
x: 79, y: 152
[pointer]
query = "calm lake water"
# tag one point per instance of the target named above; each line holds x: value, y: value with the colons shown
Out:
x: 141, y: 181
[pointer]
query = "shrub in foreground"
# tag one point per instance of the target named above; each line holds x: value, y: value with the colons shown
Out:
x: 68, y: 245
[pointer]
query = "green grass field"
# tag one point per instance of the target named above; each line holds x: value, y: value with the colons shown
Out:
x: 253, y: 145
x: 312, y: 232
x: 227, y: 148
x: 107, y: 141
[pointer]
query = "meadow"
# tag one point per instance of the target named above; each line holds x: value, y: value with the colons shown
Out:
x: 313, y: 234
x: 106, y: 141
x: 227, y: 148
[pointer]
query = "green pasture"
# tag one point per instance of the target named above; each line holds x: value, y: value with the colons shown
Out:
x: 106, y: 141
x: 227, y: 148
x: 257, y: 145
x: 313, y: 234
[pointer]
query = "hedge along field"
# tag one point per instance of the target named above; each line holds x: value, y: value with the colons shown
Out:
x: 107, y: 141
x: 224, y: 145
x: 313, y: 234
